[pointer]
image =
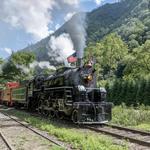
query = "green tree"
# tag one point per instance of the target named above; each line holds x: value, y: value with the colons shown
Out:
x: 109, y: 53
x: 17, y: 67
x: 138, y: 63
x: 133, y: 44
x: 1, y: 61
x: 23, y: 58
x: 146, y: 93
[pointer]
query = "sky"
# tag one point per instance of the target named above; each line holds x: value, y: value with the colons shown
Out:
x: 24, y: 22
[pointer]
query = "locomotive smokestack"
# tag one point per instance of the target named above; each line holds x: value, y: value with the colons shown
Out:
x: 80, y: 62
x: 80, y: 57
x: 76, y: 27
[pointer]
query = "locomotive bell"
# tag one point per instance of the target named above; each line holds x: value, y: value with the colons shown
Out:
x: 90, y: 77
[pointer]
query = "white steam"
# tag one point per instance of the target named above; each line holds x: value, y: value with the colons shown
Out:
x: 23, y: 68
x: 35, y: 64
x: 73, y: 38
x: 76, y: 28
x: 42, y: 65
x: 63, y: 46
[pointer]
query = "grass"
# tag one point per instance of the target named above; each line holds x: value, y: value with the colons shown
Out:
x: 79, y: 139
x: 85, y: 140
x: 131, y: 117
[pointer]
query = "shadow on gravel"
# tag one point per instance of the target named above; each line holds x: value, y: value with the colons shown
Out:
x: 4, y: 108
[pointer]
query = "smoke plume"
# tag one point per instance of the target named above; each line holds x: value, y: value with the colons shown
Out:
x: 76, y: 28
x: 35, y: 64
x: 42, y: 65
x: 73, y: 38
x: 63, y: 46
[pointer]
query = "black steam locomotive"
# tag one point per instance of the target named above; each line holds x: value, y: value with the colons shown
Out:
x: 71, y: 93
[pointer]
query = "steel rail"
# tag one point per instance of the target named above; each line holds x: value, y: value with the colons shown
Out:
x: 5, y: 141
x: 120, y: 136
x: 127, y: 129
x: 37, y: 132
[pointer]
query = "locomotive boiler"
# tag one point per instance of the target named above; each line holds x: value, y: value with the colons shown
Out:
x: 71, y: 92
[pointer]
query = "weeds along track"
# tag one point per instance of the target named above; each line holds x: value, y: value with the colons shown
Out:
x: 7, y: 145
x: 37, y: 132
x: 131, y: 135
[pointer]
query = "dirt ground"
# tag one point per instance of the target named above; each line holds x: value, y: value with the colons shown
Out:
x: 19, y: 137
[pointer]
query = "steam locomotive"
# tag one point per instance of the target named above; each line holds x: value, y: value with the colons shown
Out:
x: 70, y: 92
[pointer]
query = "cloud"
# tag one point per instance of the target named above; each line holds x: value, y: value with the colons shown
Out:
x: 72, y: 2
x: 69, y: 16
x: 98, y: 2
x: 33, y: 16
x: 8, y: 50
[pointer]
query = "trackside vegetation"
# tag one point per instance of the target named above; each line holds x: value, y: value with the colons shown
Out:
x: 78, y: 138
x: 138, y: 117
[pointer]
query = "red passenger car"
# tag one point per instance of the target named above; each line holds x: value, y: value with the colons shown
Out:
x: 6, y: 93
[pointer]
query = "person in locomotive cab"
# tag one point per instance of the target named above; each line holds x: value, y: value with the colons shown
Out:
x: 88, y: 74
x: 90, y: 63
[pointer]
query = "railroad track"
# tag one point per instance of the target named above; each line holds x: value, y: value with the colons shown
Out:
x: 41, y: 134
x: 131, y: 135
x: 9, y: 147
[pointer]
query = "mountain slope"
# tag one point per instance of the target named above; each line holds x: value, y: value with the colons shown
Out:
x: 128, y: 18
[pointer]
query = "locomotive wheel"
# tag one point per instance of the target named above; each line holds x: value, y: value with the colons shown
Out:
x: 40, y: 107
x: 59, y: 115
x: 29, y: 104
x: 52, y: 113
x: 45, y: 111
x: 75, y: 116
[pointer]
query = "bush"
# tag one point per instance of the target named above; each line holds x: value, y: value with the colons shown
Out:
x: 129, y: 116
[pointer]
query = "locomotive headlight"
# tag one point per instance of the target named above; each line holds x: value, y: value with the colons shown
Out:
x: 90, y: 77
